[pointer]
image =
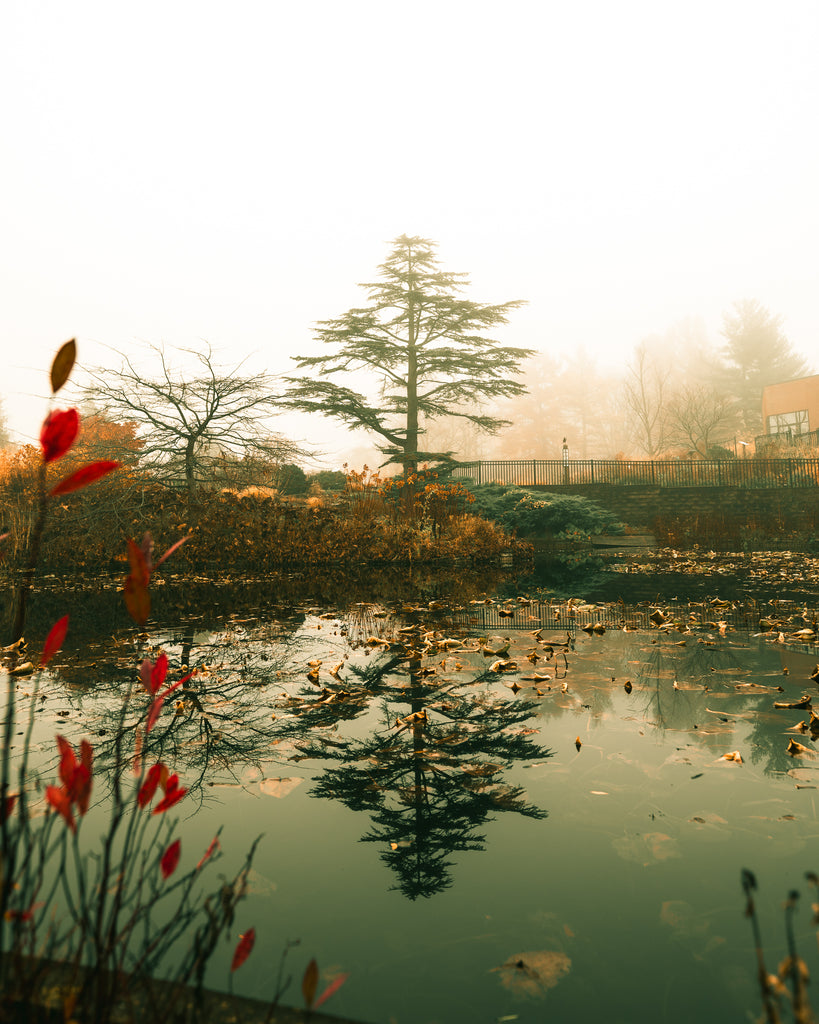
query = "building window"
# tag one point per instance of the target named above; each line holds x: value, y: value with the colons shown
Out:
x: 792, y: 423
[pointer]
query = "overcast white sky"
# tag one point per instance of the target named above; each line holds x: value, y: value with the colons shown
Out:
x: 179, y: 171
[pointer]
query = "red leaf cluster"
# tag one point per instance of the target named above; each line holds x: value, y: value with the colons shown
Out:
x: 158, y: 775
x: 76, y: 781
x: 153, y: 676
x: 58, y: 433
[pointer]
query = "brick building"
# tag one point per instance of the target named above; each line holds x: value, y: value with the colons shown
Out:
x: 792, y: 407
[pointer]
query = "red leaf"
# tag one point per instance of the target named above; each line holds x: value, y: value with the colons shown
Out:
x: 137, y: 601
x: 60, y: 801
x: 160, y: 699
x: 84, y: 476
x: 148, y: 787
x: 153, y: 714
x: 54, y: 640
x: 137, y: 598
x: 173, y: 794
x: 170, y: 859
x: 243, y: 948
x: 147, y: 549
x: 83, y: 784
x: 62, y: 365
x: 139, y: 565
x: 76, y: 775
x: 171, y: 550
x: 58, y: 433
x: 167, y: 802
x: 214, y: 845
x: 331, y: 989
x: 68, y: 760
x: 158, y: 672
x: 309, y: 983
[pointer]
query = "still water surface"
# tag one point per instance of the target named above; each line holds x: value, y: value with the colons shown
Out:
x: 535, y: 843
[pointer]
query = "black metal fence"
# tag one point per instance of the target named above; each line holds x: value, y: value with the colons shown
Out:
x: 557, y: 618
x: 748, y: 473
x: 785, y: 439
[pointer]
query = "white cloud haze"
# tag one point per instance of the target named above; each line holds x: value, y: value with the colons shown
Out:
x: 174, y: 171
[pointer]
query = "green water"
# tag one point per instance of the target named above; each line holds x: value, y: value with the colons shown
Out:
x: 423, y: 858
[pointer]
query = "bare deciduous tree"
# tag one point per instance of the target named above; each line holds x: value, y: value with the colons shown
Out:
x: 192, y: 422
x: 700, y: 417
x: 645, y: 392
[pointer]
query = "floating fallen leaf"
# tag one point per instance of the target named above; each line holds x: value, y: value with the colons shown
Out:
x: 647, y: 849
x: 279, y: 787
x: 682, y: 919
x: 798, y: 750
x: 734, y: 755
x: 803, y: 702
x: 533, y: 974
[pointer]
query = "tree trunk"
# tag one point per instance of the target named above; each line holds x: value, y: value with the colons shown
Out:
x: 190, y: 467
x: 411, y: 439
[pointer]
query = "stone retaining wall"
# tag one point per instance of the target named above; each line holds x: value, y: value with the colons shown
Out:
x: 640, y: 505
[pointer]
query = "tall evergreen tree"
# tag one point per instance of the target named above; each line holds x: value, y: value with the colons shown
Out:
x: 756, y: 353
x: 426, y: 347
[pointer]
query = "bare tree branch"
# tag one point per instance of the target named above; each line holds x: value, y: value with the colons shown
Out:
x: 192, y: 424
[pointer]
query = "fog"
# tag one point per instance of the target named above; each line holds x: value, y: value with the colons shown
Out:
x: 175, y: 173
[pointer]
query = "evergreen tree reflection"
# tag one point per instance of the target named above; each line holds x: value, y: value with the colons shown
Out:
x: 433, y: 776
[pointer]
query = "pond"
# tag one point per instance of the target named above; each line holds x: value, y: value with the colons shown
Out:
x: 481, y: 805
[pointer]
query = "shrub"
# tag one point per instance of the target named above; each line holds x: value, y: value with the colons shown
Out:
x: 329, y: 479
x: 533, y: 513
